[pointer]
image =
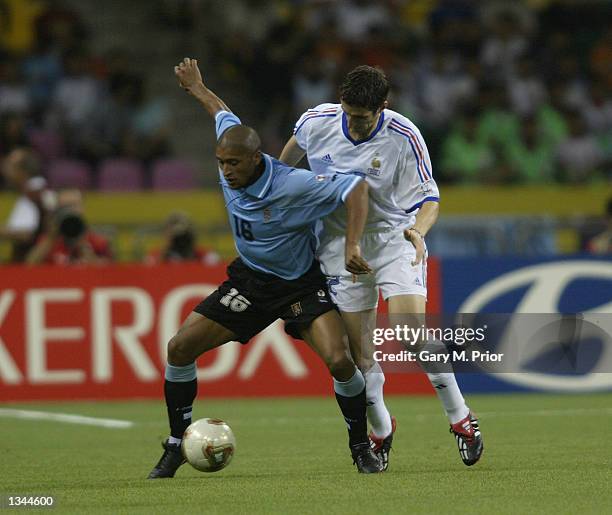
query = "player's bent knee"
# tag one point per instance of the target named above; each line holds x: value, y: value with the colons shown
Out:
x: 365, y: 363
x: 179, y: 353
x: 340, y: 365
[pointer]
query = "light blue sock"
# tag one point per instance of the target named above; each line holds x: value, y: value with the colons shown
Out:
x: 351, y: 388
x: 181, y: 374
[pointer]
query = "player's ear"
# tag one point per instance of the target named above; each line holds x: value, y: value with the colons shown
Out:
x: 257, y: 157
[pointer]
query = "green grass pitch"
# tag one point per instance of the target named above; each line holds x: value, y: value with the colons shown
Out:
x: 543, y: 454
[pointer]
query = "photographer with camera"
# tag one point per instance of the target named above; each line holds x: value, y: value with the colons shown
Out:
x: 21, y: 170
x: 180, y: 244
x: 68, y: 240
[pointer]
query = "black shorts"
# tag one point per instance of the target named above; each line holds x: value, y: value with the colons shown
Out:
x: 249, y: 301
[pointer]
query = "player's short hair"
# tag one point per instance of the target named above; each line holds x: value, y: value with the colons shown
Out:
x: 365, y: 87
x: 241, y: 136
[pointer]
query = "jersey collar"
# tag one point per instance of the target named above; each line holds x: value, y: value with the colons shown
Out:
x: 261, y: 186
x: 345, y: 130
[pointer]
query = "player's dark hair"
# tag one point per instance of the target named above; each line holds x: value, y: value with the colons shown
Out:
x: 365, y: 87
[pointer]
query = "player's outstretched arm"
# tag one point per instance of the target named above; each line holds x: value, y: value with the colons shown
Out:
x: 190, y: 79
x: 425, y: 218
x: 357, y: 213
x: 292, y: 153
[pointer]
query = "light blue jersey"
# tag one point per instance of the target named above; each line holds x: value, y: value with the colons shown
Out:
x: 273, y: 219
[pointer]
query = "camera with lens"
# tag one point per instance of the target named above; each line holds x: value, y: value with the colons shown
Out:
x: 182, y: 243
x: 71, y: 225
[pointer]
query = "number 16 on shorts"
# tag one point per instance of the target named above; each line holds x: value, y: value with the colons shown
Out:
x: 235, y: 301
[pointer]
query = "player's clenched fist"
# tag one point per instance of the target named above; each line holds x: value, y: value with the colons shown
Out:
x: 188, y: 73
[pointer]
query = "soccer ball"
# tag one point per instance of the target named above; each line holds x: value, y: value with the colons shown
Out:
x: 208, y: 444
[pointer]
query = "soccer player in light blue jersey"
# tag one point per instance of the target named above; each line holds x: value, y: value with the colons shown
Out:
x: 272, y: 209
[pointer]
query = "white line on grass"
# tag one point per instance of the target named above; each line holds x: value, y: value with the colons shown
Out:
x: 125, y: 424
x: 66, y: 418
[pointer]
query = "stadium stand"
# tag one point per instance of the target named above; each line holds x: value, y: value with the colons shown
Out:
x: 121, y: 174
x: 69, y: 173
x: 522, y: 88
x: 47, y: 143
x: 173, y: 174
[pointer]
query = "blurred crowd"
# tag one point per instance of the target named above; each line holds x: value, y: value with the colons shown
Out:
x: 504, y: 92
x: 65, y: 101
x: 47, y: 226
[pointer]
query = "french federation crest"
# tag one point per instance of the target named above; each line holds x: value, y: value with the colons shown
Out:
x: 267, y: 215
x: 375, y: 166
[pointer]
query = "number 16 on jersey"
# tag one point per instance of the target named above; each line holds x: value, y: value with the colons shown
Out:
x: 243, y: 229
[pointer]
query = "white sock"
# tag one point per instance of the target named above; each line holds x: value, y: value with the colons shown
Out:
x: 174, y: 441
x: 378, y: 415
x: 448, y: 392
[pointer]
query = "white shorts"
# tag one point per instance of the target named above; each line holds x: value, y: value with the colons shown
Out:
x: 389, y: 255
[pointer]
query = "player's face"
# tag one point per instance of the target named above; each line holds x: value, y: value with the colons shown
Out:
x: 361, y: 121
x: 239, y: 167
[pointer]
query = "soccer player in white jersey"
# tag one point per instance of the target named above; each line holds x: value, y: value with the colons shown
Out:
x: 361, y: 136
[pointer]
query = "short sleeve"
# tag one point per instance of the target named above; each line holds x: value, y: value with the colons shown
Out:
x: 301, y: 130
x: 224, y: 120
x: 303, y: 127
x: 428, y: 187
x: 315, y: 196
x: 418, y: 184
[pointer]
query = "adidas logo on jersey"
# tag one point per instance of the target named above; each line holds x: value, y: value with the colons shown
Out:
x: 417, y: 281
x: 328, y: 159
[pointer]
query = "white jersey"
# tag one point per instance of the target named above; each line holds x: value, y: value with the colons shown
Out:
x: 393, y: 159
